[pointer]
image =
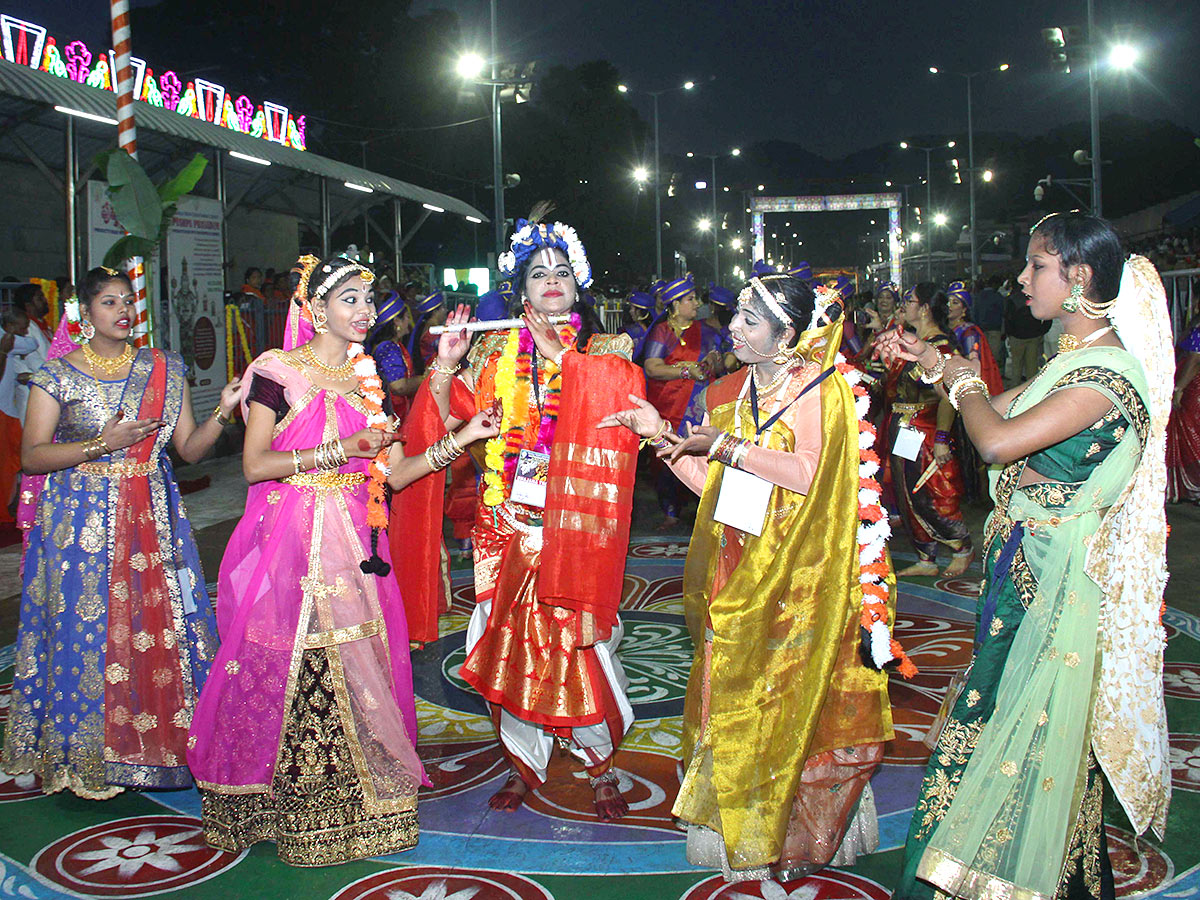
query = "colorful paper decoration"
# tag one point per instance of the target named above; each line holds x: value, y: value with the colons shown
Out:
x: 28, y: 44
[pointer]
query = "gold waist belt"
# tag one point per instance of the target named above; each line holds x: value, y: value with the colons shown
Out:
x: 326, y: 481
x: 911, y: 409
x: 124, y: 468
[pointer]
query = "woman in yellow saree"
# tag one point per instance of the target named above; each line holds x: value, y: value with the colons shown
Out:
x: 784, y: 723
x: 1065, y: 690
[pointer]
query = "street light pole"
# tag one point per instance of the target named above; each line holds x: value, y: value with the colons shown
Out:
x: 1094, y: 108
x: 971, y: 177
x: 657, y: 198
x: 497, y: 163
x: 928, y: 214
x: 716, y: 236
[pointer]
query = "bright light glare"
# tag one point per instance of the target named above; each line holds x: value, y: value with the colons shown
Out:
x: 933, y: 70
x: 762, y: 187
x: 988, y: 174
x: 736, y: 151
x: 916, y: 237
x: 688, y: 85
x: 736, y: 243
x: 624, y: 89
x: 904, y: 145
x: 1004, y: 67
x: 887, y: 184
x: 952, y: 144
x: 701, y: 185
x: 470, y: 65
x: 1123, y: 56
x: 641, y: 173
x: 940, y: 219
x: 690, y: 154
x: 359, y: 187
x: 704, y: 224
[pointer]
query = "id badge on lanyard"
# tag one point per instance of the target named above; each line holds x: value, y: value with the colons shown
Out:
x: 529, y: 482
x: 743, y: 501
x: 908, y: 443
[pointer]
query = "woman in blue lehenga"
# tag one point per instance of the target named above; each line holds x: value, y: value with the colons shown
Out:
x: 116, y: 631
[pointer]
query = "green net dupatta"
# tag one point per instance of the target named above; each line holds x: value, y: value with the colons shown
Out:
x: 1006, y: 830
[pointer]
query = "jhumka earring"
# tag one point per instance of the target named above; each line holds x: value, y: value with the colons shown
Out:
x: 1072, y: 303
x: 782, y: 355
x: 320, y: 321
x: 87, y: 330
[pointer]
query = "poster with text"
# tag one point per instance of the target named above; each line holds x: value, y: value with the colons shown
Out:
x: 195, y: 286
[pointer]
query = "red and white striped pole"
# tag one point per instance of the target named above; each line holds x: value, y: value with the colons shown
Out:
x: 127, y: 140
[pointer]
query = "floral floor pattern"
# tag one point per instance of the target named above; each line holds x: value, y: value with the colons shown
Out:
x: 553, y: 848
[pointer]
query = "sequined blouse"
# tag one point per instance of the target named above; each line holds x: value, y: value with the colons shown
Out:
x: 87, y: 404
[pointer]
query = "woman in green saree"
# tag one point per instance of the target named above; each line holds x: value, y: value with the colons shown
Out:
x: 1064, y: 693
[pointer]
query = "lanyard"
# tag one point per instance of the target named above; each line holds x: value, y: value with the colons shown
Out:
x: 759, y: 429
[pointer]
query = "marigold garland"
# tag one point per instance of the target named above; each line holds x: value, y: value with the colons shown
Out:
x: 874, y: 530
x: 372, y: 394
x: 513, y: 387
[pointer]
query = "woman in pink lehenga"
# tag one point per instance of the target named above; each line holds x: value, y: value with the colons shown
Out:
x: 305, y: 733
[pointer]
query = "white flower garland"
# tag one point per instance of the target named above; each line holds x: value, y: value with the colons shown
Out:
x: 525, y: 236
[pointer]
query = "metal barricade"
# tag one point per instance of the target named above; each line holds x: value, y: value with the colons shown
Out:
x: 1182, y: 295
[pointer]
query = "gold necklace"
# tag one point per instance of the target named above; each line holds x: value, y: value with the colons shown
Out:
x: 773, y: 383
x: 1068, y: 342
x: 340, y: 372
x: 679, y: 332
x: 109, y: 365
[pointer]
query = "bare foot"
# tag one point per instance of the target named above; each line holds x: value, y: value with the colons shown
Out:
x: 959, y: 564
x: 920, y: 567
x: 610, y: 805
x: 511, y: 796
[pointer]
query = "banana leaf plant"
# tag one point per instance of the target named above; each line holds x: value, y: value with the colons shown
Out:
x: 143, y: 209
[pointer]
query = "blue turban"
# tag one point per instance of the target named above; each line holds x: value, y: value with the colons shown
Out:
x: 891, y: 287
x: 760, y: 268
x: 491, y: 306
x: 720, y: 296
x: 506, y: 290
x: 391, y: 307
x: 430, y: 303
x: 844, y: 285
x: 803, y: 271
x: 656, y: 289
x: 641, y: 300
x: 678, y: 289
x: 959, y: 290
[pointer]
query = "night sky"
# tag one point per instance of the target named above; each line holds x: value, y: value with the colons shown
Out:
x: 838, y: 77
x: 834, y: 77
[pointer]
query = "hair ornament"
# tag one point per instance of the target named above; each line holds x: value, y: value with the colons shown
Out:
x: 532, y: 235
x: 755, y: 286
x: 334, y: 274
x: 112, y: 273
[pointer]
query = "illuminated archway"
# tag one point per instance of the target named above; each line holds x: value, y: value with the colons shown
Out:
x: 760, y: 206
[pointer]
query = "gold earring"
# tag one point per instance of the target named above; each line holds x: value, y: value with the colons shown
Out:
x: 320, y: 321
x: 1073, y: 302
x: 87, y: 330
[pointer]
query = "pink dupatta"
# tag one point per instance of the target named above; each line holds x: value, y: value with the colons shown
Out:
x: 289, y: 581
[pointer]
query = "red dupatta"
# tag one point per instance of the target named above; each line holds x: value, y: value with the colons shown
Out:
x: 589, y: 493
x: 419, y: 556
x: 146, y: 711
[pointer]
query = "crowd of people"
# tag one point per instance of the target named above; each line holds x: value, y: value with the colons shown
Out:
x: 802, y: 421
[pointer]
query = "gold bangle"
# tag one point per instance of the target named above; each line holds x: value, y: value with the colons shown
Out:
x: 436, y: 366
x: 962, y: 386
x: 934, y: 374
x: 221, y: 418
x: 297, y: 463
